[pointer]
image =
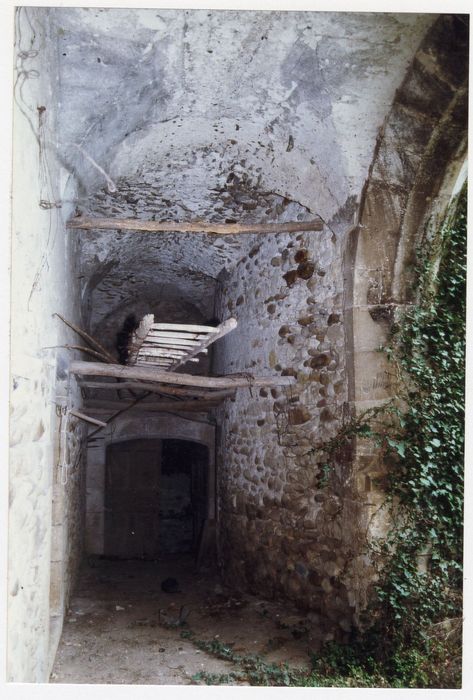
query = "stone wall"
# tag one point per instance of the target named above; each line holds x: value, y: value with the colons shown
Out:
x: 45, y: 516
x: 280, y: 530
x: 318, y: 306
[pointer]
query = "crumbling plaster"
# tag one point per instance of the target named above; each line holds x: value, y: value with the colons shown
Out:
x: 172, y: 104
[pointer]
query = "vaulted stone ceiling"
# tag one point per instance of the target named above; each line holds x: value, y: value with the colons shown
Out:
x: 218, y: 115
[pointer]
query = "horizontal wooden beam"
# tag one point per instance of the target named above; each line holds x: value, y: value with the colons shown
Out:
x: 88, y: 222
x: 99, y: 369
x: 157, y: 388
x: 102, y: 407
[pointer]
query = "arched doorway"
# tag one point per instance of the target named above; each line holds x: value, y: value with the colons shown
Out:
x: 155, y: 498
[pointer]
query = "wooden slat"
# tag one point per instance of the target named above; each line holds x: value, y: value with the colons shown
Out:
x: 188, y: 328
x: 99, y: 369
x: 175, y: 343
x: 182, y: 338
x: 143, y: 362
x: 161, y: 352
x: 224, y: 328
x: 119, y: 224
x: 167, y: 352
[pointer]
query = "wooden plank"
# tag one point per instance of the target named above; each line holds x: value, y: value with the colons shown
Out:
x: 99, y: 369
x: 166, y: 354
x: 188, y: 328
x: 161, y: 352
x: 119, y: 224
x: 143, y: 362
x: 138, y: 338
x: 176, y: 336
x: 226, y: 327
x: 170, y: 335
x: 156, y: 388
x: 178, y: 344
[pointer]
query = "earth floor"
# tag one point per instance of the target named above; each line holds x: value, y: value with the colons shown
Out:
x: 121, y: 627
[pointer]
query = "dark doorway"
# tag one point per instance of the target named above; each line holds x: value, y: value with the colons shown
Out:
x: 155, y: 498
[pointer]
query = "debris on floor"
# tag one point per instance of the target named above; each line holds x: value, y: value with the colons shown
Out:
x: 188, y: 639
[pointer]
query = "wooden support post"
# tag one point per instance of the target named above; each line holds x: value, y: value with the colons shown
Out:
x: 88, y: 222
x: 100, y: 369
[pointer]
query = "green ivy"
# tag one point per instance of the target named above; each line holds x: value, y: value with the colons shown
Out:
x: 422, y: 437
x: 425, y: 481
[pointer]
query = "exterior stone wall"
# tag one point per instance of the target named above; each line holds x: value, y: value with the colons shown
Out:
x: 45, y: 516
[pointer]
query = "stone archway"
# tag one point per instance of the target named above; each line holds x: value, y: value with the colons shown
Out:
x: 143, y: 427
x: 419, y: 155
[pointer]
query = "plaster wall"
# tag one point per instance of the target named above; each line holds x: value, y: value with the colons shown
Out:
x: 45, y: 515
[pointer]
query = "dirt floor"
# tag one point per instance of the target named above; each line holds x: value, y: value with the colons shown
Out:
x: 123, y: 628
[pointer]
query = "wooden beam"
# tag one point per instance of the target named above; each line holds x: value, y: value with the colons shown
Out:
x: 226, y: 327
x: 196, y: 405
x: 158, y: 388
x: 88, y: 419
x: 88, y: 222
x: 99, y: 369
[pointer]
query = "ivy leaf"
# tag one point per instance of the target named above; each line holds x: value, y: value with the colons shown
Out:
x: 397, y: 445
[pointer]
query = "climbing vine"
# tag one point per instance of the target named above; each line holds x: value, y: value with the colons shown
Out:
x: 425, y: 482
x: 421, y: 436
